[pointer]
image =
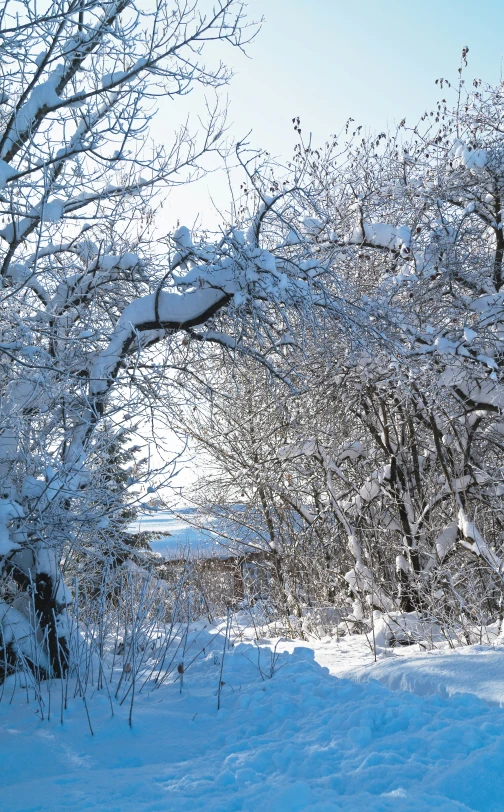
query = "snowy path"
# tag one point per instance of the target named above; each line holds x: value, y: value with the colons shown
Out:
x: 303, y: 740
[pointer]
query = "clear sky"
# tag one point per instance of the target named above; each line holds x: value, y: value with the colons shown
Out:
x: 326, y: 60
x: 374, y: 61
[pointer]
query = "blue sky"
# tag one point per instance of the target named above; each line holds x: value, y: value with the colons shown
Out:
x: 374, y: 61
x: 326, y: 61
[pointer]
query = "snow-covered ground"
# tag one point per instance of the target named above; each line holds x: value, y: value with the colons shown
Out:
x: 319, y: 734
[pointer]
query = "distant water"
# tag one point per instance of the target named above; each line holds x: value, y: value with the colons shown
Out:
x: 180, y: 536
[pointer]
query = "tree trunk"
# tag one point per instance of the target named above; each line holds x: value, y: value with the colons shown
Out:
x: 51, y: 600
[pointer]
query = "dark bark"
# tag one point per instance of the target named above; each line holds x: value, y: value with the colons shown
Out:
x: 10, y: 662
x: 48, y: 610
x: 499, y: 244
x: 408, y: 597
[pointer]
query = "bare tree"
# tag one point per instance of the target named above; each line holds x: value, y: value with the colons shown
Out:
x: 403, y: 233
x: 78, y: 181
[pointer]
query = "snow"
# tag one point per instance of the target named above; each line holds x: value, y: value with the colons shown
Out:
x: 479, y: 390
x: 19, y: 272
x: 182, y: 239
x: 401, y: 628
x: 319, y: 727
x: 351, y: 451
x: 446, y: 540
x: 469, y: 670
x: 9, y: 511
x: 33, y: 488
x: 128, y: 261
x: 313, y: 225
x: 109, y: 79
x: 493, y: 302
x: 42, y: 96
x: 476, y: 543
x: 265, y: 261
x: 470, y: 335
x: 306, y: 448
x: 292, y: 238
x: 52, y: 211
x: 172, y: 308
x: 17, y: 630
x: 6, y: 173
x: 468, y: 156
x: 383, y: 235
x: 369, y: 490
x: 10, y: 233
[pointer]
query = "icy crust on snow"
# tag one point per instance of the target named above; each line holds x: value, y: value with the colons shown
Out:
x: 302, y: 740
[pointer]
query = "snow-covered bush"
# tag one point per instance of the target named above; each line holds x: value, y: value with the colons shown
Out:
x: 82, y: 290
x: 388, y: 446
x: 92, y: 304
